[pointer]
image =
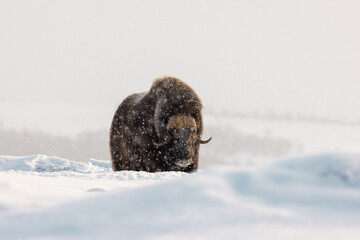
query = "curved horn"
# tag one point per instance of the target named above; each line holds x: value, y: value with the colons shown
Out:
x: 160, y: 144
x: 205, y: 142
x: 167, y: 140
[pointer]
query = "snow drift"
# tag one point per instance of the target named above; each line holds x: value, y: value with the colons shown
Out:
x: 315, y: 197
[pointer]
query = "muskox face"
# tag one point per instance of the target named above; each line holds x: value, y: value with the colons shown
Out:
x: 182, y: 142
x: 183, y: 138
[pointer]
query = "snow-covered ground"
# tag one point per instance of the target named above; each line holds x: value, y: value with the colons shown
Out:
x: 314, y: 197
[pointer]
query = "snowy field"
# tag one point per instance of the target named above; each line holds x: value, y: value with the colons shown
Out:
x: 314, y: 197
x: 279, y: 82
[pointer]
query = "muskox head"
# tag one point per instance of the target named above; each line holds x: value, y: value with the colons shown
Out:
x: 181, y: 141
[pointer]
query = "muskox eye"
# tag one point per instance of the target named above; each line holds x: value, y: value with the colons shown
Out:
x: 171, y: 131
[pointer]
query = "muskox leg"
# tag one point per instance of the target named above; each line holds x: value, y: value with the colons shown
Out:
x: 115, y: 151
x: 118, y: 144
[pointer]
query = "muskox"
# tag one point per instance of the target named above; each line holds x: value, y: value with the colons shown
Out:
x: 158, y: 130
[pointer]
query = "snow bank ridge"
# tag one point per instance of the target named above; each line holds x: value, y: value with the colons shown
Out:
x: 326, y: 168
x: 42, y: 163
x: 55, y: 166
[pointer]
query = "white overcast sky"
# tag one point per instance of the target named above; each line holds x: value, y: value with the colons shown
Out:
x: 66, y: 65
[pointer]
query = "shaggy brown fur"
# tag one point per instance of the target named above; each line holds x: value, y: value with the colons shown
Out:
x: 158, y: 130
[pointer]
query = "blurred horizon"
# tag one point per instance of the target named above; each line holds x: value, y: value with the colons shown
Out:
x: 274, y: 66
x: 67, y: 63
x: 239, y: 139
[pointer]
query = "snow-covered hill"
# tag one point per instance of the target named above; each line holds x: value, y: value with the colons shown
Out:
x: 316, y: 197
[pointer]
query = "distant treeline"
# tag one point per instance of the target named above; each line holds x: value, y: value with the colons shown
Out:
x: 274, y: 116
x: 233, y: 147
x: 227, y: 145
x: 80, y: 148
